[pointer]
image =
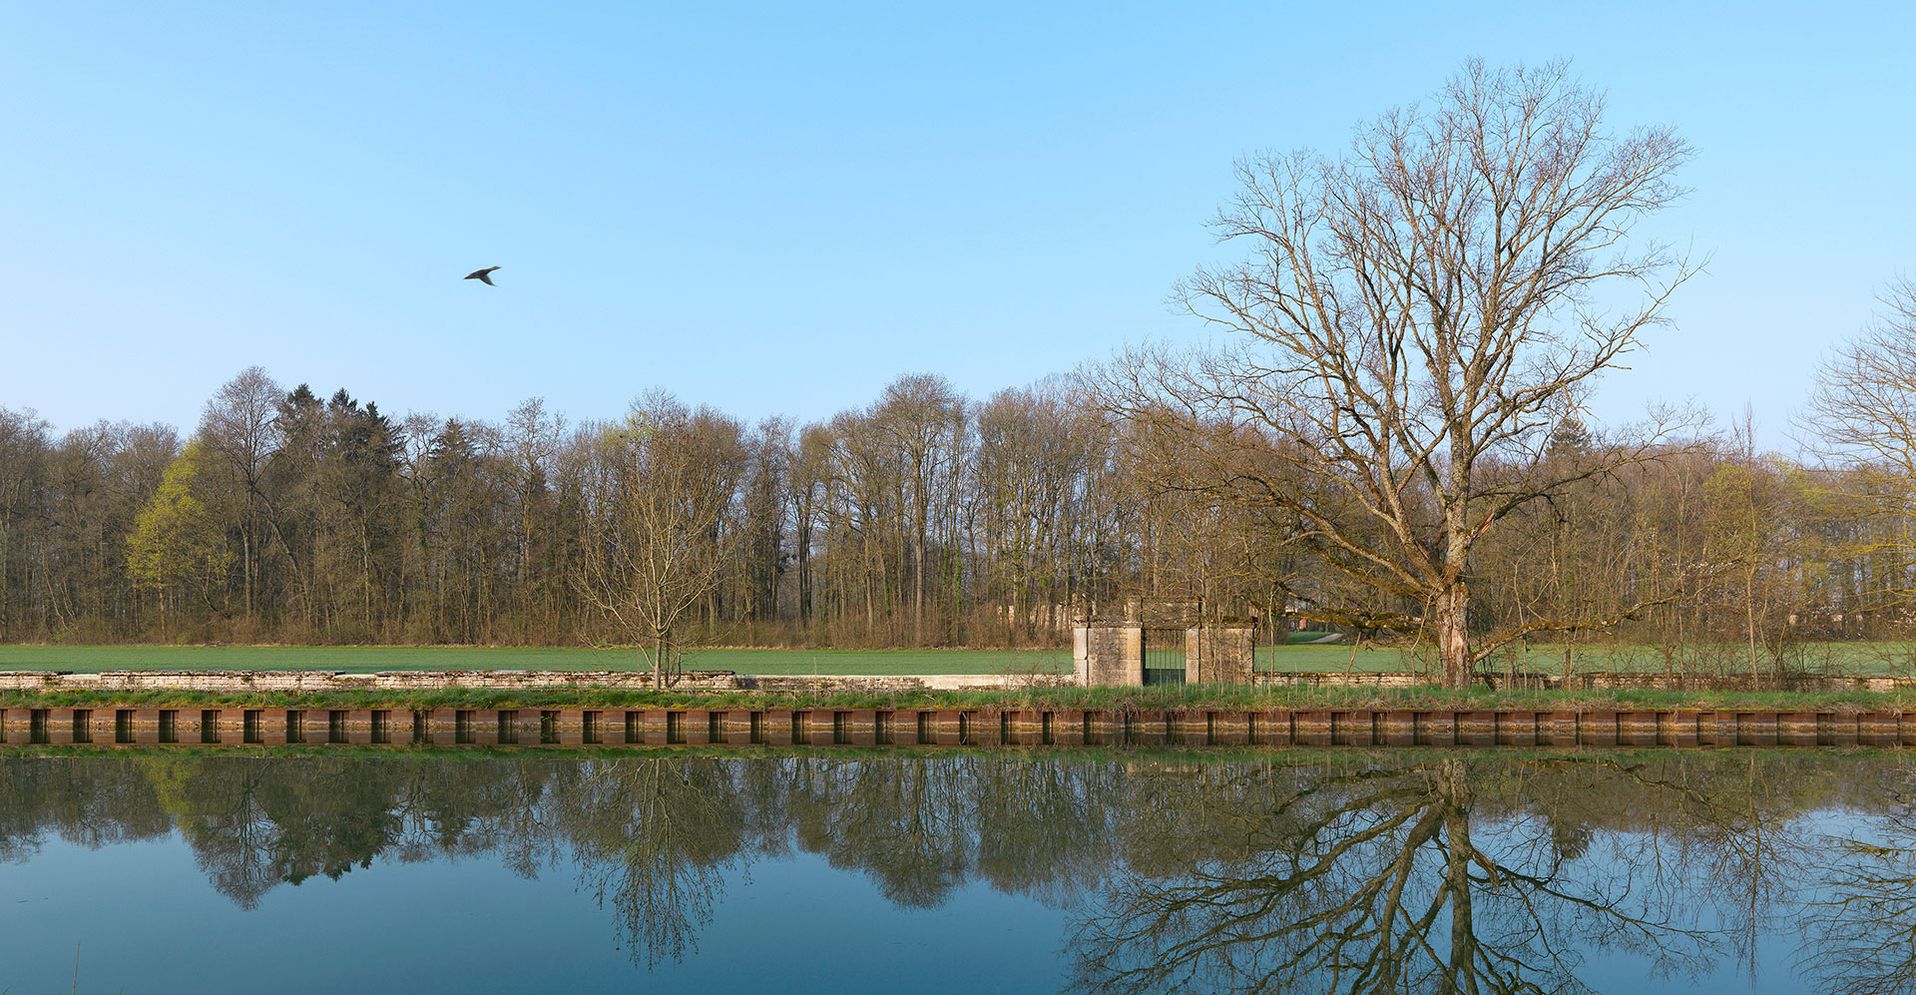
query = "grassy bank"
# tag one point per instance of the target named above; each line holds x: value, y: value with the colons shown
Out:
x: 1850, y: 657
x: 1121, y: 699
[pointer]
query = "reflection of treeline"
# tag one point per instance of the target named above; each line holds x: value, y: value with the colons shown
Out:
x: 1205, y: 874
x: 920, y: 826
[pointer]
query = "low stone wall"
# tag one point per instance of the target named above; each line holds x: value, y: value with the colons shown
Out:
x: 242, y: 681
x: 163, y: 728
x: 331, y: 680
x: 274, y: 681
x: 1597, y: 681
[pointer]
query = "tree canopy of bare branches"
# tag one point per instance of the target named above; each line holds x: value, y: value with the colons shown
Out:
x: 1416, y: 315
x: 662, y: 535
x: 1862, y: 418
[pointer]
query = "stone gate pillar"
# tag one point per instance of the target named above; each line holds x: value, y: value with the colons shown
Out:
x: 1107, y: 654
x: 1220, y: 653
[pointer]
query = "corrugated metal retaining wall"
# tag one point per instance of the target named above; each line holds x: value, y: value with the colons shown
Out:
x: 584, y: 727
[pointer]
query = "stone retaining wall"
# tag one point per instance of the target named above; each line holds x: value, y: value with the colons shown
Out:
x: 1596, y: 681
x: 242, y: 681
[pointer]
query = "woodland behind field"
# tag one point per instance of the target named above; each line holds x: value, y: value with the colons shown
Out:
x: 922, y: 519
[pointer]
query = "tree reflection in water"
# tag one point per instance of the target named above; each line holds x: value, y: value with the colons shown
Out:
x: 1416, y: 872
x: 1860, y: 934
x: 1379, y: 879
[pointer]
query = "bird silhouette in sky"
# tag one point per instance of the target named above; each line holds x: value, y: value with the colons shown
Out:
x: 483, y: 276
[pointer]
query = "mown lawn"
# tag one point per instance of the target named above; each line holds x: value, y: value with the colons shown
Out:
x: 367, y: 659
x: 1897, y: 658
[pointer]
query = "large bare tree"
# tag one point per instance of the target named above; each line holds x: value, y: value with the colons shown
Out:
x: 1862, y: 417
x: 1417, y: 314
x: 662, y: 532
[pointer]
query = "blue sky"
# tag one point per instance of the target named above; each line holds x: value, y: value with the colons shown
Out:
x: 777, y: 209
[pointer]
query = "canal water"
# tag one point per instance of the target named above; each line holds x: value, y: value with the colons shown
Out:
x: 1014, y: 872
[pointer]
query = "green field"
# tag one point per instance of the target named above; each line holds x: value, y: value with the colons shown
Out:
x: 367, y: 659
x: 1898, y: 658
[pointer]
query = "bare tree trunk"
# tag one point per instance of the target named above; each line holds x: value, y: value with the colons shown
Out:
x: 1455, y: 792
x: 1756, y: 531
x: 918, y: 588
x: 1453, y: 598
x: 1453, y: 634
x: 246, y: 544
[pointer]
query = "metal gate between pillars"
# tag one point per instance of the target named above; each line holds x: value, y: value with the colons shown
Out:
x: 1163, y: 656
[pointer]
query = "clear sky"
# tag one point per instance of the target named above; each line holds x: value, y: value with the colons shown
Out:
x: 779, y: 208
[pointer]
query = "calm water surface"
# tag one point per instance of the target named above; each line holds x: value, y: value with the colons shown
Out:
x: 1711, y: 871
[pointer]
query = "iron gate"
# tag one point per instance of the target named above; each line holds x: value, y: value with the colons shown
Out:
x: 1164, y: 656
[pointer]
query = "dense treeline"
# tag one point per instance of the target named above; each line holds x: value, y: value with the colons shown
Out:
x: 923, y: 519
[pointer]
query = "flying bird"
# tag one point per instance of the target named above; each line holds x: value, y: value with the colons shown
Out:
x: 483, y: 276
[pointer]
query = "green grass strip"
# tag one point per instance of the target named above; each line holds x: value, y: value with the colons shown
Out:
x: 1219, y: 697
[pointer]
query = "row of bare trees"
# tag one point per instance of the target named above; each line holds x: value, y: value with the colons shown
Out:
x: 922, y: 519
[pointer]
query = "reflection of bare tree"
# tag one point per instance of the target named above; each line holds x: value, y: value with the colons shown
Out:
x: 910, y: 825
x: 234, y: 839
x: 1045, y: 825
x: 651, y: 839
x: 1376, y: 879
x: 1715, y: 830
x: 255, y: 825
x: 1754, y: 853
x: 81, y: 801
x: 1860, y: 934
